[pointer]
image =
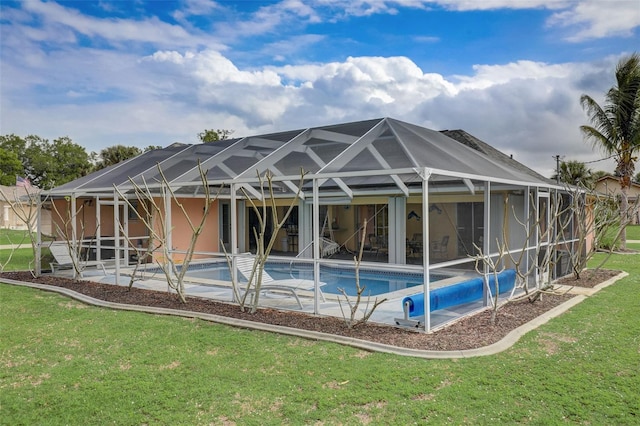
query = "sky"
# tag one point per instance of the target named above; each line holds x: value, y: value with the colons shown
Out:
x: 140, y: 73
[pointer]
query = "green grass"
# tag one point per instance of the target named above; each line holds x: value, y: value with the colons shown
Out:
x: 63, y: 362
x: 22, y: 259
x: 633, y: 232
x: 12, y: 236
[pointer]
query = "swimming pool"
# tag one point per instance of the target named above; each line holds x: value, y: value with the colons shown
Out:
x: 376, y: 282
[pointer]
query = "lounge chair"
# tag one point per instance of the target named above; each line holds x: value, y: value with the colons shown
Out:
x: 269, y: 284
x: 439, y: 249
x: 61, y: 253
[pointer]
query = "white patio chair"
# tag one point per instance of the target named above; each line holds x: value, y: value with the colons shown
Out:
x: 63, y: 260
x: 269, y: 284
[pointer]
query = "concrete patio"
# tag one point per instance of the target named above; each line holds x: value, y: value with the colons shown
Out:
x: 386, y: 313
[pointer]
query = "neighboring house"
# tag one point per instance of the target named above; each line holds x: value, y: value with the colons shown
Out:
x: 610, y: 185
x: 429, y: 198
x: 19, y: 197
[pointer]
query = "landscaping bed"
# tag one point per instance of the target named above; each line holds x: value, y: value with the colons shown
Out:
x: 469, y: 333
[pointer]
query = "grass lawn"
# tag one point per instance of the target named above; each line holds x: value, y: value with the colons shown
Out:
x: 18, y: 259
x: 633, y: 232
x: 67, y: 363
x: 22, y: 259
x: 12, y: 236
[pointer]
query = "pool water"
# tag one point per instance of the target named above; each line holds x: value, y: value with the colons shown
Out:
x: 375, y: 282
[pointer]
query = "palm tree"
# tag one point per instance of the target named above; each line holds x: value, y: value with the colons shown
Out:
x: 574, y: 173
x: 616, y: 127
x: 599, y: 174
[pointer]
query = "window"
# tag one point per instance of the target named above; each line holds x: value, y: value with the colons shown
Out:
x: 133, y: 208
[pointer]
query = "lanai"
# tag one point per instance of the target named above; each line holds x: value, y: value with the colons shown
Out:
x: 390, y: 163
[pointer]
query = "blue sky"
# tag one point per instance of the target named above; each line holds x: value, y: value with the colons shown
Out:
x: 511, y: 72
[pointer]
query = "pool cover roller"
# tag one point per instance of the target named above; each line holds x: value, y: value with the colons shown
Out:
x: 457, y: 294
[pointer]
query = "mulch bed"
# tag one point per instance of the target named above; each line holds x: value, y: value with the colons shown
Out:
x: 469, y: 333
x: 589, y: 278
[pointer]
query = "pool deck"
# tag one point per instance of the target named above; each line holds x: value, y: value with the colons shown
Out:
x: 386, y: 313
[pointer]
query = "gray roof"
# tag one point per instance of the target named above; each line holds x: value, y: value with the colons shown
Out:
x: 475, y: 143
x: 364, y: 154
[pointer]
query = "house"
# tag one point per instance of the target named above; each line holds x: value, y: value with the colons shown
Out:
x: 431, y: 200
x: 610, y: 186
x: 24, y: 202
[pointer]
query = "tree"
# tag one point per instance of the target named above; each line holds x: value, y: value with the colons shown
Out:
x: 71, y: 162
x: 352, y: 319
x: 10, y: 167
x: 597, y: 175
x: 575, y: 173
x: 210, y: 135
x: 25, y: 203
x: 156, y: 220
x: 637, y: 178
x: 14, y: 147
x: 47, y: 164
x: 616, y: 127
x: 115, y: 154
x: 13, y: 143
x: 264, y: 240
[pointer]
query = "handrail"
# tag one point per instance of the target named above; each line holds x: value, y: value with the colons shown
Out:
x: 297, y: 256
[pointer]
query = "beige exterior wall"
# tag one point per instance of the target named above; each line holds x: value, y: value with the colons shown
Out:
x: 8, y: 217
x: 87, y: 227
x: 610, y: 186
x: 208, y: 241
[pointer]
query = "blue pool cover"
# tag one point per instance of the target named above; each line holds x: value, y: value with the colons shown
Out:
x: 458, y: 294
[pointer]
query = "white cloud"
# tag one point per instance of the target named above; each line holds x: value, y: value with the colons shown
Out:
x: 371, y: 7
x: 269, y: 19
x: 486, y: 76
x: 151, y: 30
x: 598, y: 19
x: 212, y: 68
x: 467, y: 5
x: 198, y: 7
x: 282, y: 49
x: 585, y: 19
x: 529, y: 109
x: 426, y: 39
x: 100, y: 97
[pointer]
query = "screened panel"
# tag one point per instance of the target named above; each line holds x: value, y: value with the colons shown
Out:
x: 175, y: 167
x: 291, y: 164
x: 216, y: 173
x: 262, y: 145
x: 324, y: 149
x: 370, y: 145
x: 282, y: 136
x: 392, y: 152
x: 364, y: 161
x: 241, y: 164
x: 354, y: 129
x: 433, y: 149
x: 120, y: 173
